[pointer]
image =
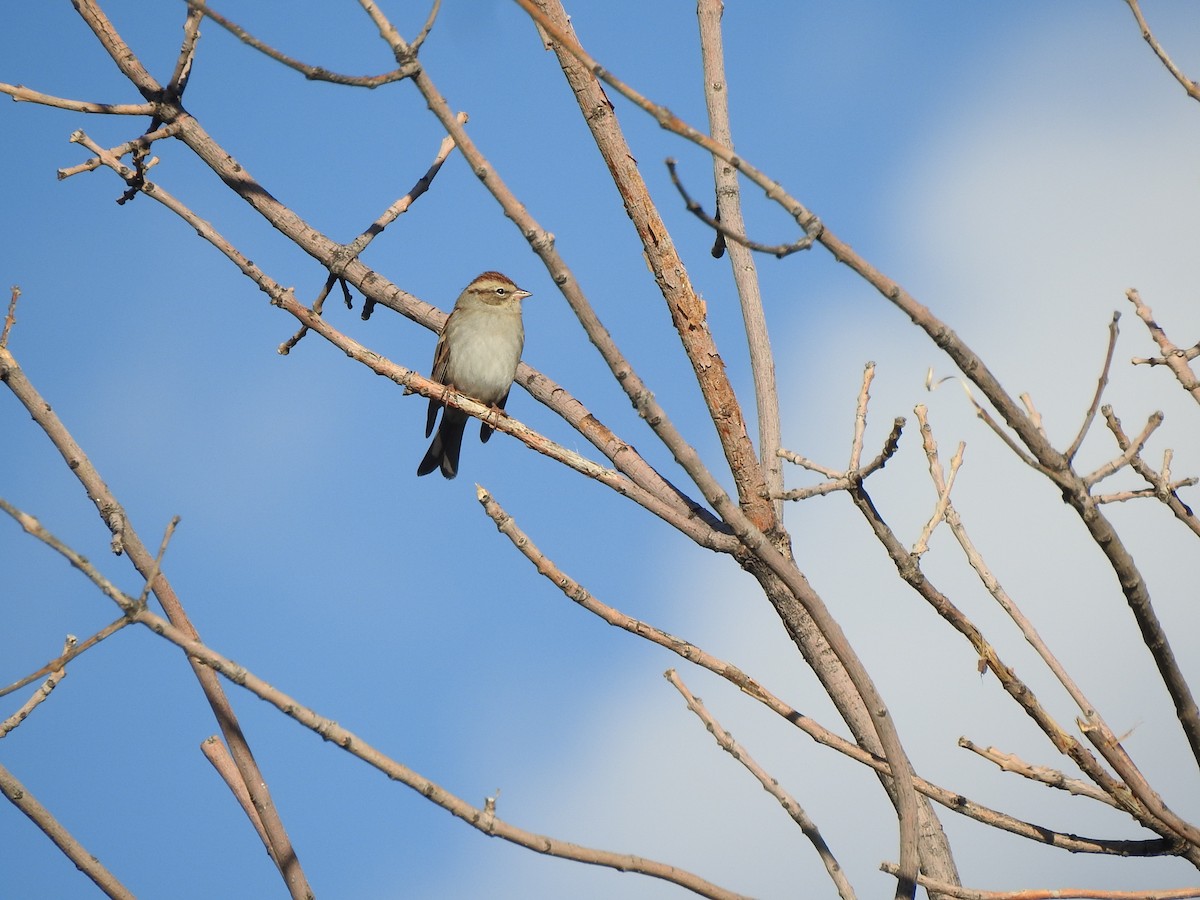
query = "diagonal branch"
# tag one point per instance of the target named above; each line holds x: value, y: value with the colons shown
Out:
x: 20, y: 797
x: 1193, y: 89
x: 771, y: 785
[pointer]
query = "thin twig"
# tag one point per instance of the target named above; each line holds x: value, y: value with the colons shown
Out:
x: 25, y: 95
x: 77, y: 648
x: 312, y: 73
x: 187, y: 53
x: 909, y: 569
x: 57, y: 674
x: 1128, y: 453
x: 1010, y: 762
x: 1172, y: 357
x: 777, y: 250
x: 10, y: 317
x: 771, y: 785
x: 939, y: 512
x: 426, y: 28
x: 355, y: 248
x: 1102, y: 382
x: 1163, y: 489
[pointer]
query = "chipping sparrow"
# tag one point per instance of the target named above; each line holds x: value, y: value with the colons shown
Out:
x: 477, y: 354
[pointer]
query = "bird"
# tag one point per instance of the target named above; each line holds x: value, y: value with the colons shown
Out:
x: 477, y: 355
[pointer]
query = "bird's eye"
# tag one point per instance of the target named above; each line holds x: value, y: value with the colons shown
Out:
x: 500, y: 292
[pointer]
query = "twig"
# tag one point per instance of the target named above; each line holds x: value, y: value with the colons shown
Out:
x: 426, y: 28
x: 89, y: 865
x: 771, y: 785
x: 312, y: 73
x: 840, y: 481
x: 1163, y: 489
x: 1128, y: 453
x: 1102, y: 382
x: 1010, y: 762
x: 77, y: 648
x: 943, y: 503
x: 1172, y: 357
x: 909, y: 568
x: 1101, y: 737
x: 1145, y: 493
x: 10, y: 317
x: 168, y: 533
x: 860, y: 417
x: 777, y: 250
x: 25, y: 95
x: 1193, y: 90
x: 187, y: 53
x: 138, y: 144
x: 57, y: 674
x: 355, y: 248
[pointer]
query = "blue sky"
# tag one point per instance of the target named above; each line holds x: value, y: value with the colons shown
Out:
x: 1017, y: 167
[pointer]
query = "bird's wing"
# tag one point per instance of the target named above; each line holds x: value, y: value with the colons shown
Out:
x: 441, y: 361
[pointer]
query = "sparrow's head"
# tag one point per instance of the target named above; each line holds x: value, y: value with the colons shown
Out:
x: 495, y: 289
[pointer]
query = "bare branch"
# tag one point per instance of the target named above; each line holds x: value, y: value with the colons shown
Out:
x: 77, y: 647
x: 1009, y: 762
x: 943, y: 489
x: 355, y: 248
x: 1102, y: 382
x: 89, y: 865
x: 312, y: 73
x: 1193, y: 89
x: 10, y: 317
x: 426, y: 28
x: 25, y: 95
x: 187, y: 53
x: 771, y: 785
x: 777, y: 250
x: 1164, y: 490
x: 1172, y: 356
x: 1128, y: 453
x: 57, y: 674
x: 841, y: 481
